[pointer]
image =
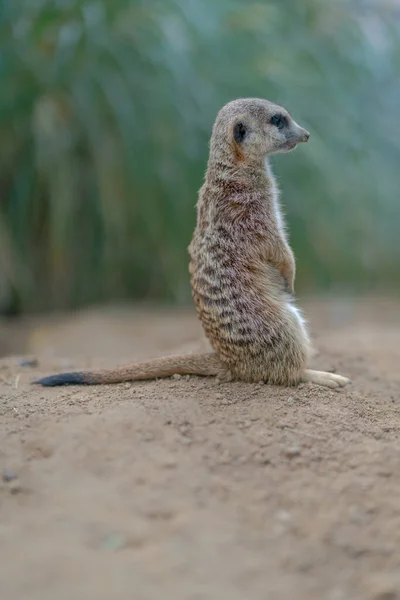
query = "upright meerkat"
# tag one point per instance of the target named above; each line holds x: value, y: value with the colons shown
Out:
x: 241, y: 265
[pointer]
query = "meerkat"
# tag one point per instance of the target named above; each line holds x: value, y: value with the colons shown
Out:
x: 242, y: 268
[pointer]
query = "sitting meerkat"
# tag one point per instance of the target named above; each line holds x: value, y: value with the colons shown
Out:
x: 241, y: 265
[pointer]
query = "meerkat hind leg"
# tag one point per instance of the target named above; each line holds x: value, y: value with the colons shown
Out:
x: 331, y: 380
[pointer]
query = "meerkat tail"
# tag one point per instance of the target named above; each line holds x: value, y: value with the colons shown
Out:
x: 191, y: 364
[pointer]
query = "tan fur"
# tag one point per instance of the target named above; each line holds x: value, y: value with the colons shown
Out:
x: 196, y: 364
x: 241, y: 266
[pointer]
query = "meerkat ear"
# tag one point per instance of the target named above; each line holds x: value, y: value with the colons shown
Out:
x: 239, y: 132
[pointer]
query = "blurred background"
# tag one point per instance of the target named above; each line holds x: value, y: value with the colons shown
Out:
x: 106, y: 109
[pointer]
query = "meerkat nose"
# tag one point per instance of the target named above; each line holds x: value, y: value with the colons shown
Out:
x: 306, y: 136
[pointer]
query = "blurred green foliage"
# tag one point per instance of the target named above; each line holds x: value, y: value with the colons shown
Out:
x: 105, y: 114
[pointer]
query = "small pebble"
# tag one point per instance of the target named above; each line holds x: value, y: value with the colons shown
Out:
x: 225, y: 458
x: 114, y: 542
x: 385, y: 473
x: 177, y: 376
x: 169, y: 463
x: 357, y: 515
x: 261, y: 459
x: 28, y: 362
x: 15, y: 488
x: 9, y: 475
x: 291, y: 452
x: 184, y: 427
x: 283, y: 516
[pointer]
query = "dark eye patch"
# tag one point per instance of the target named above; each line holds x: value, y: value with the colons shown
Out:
x: 279, y: 121
x: 239, y: 132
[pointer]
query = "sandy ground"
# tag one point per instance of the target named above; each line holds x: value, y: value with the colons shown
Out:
x: 190, y: 489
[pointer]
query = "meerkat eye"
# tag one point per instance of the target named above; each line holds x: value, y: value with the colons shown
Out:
x: 239, y: 132
x: 279, y: 121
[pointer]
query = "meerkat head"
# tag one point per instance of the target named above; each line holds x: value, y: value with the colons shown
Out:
x: 251, y: 129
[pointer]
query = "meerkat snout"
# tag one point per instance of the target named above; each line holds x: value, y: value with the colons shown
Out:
x: 306, y: 136
x: 299, y: 134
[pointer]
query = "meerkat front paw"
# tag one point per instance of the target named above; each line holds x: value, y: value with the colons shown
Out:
x: 330, y: 380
